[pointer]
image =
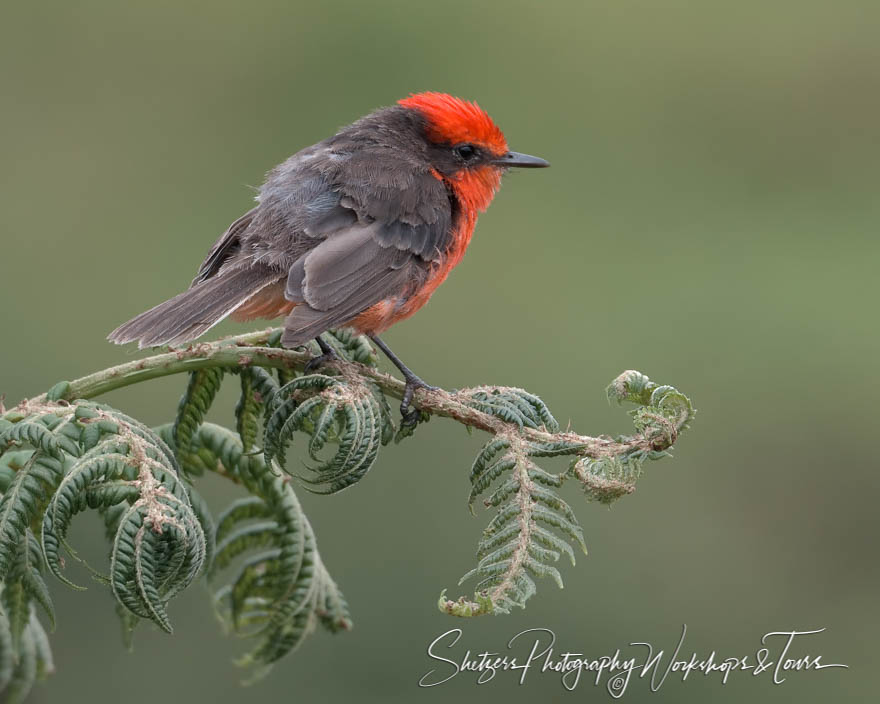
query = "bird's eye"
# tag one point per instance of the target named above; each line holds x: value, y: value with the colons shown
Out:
x: 466, y: 151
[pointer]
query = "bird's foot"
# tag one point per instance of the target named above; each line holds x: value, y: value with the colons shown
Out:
x: 321, y: 360
x: 410, y: 417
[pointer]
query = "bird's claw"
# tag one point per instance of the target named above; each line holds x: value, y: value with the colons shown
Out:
x: 410, y: 419
x: 321, y: 360
x: 409, y: 416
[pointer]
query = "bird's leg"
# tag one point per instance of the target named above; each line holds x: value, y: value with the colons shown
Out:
x: 327, y: 355
x: 410, y: 415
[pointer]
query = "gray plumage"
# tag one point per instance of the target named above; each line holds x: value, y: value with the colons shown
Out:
x: 347, y: 223
x: 195, y: 311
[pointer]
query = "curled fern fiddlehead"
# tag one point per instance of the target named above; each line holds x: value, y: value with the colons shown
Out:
x: 59, y: 459
x: 533, y: 527
x: 330, y: 409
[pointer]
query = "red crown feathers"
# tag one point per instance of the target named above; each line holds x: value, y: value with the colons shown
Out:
x: 454, y: 120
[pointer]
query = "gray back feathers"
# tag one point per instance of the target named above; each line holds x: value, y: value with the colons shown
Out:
x: 349, y: 222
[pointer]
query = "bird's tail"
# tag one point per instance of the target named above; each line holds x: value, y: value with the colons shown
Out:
x: 193, y: 312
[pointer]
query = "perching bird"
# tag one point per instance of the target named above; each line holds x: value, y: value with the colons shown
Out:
x: 357, y: 230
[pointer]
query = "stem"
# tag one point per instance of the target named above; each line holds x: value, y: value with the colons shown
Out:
x: 243, y: 350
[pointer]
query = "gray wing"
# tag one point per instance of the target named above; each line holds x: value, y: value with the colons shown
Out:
x: 376, y: 241
x: 349, y: 222
x: 340, y: 271
x: 342, y: 277
x: 224, y: 248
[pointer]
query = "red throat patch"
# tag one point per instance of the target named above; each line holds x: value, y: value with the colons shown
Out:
x: 454, y: 120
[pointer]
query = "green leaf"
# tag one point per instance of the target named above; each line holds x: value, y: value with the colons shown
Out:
x: 257, y: 386
x: 514, y: 547
x: 25, y: 673
x: 281, y: 587
x: 332, y: 410
x: 24, y: 501
x: 194, y: 404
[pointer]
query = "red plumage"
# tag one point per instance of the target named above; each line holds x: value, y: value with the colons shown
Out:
x: 454, y: 120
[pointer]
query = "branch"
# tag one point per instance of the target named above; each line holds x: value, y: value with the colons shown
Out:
x: 251, y: 350
x: 62, y: 453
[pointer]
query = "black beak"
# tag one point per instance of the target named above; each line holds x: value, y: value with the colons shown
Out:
x: 522, y: 160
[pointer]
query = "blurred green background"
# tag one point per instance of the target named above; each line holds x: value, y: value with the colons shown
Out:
x: 710, y: 219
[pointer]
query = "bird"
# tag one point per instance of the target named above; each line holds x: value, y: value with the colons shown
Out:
x: 357, y: 230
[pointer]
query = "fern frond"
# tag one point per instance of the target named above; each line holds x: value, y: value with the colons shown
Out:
x: 7, y: 653
x: 662, y: 414
x: 512, y: 405
x: 246, y: 508
x: 23, y: 664
x: 88, y: 455
x: 352, y: 347
x: 282, y: 587
x: 22, y: 586
x: 60, y: 456
x: 515, y: 548
x: 194, y: 404
x: 242, y: 539
x: 334, y: 409
x: 45, y: 661
x: 533, y: 527
x: 24, y: 673
x: 257, y: 386
x: 24, y: 500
